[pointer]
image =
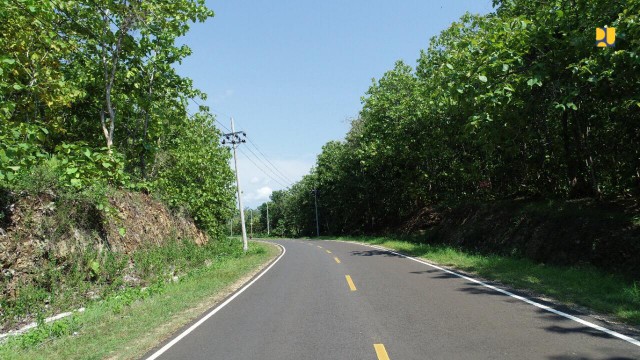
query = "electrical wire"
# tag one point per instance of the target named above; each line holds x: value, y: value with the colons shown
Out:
x: 282, y: 175
x: 262, y: 170
x: 209, y: 109
x: 267, y: 166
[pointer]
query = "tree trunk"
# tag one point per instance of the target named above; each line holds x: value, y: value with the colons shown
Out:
x: 143, y: 155
x: 109, y: 72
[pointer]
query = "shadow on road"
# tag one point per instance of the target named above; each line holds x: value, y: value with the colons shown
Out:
x: 425, y: 272
x: 481, y: 290
x: 374, y: 253
x: 559, y: 325
x: 577, y: 330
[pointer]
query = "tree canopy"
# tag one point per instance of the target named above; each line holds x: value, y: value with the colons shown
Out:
x: 91, y: 89
x: 516, y: 103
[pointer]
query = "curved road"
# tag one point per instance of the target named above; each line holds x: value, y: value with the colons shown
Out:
x: 336, y: 300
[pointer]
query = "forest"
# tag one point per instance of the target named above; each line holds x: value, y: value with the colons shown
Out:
x: 90, y: 98
x: 516, y: 104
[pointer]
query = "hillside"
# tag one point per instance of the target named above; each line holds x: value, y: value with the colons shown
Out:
x: 59, y: 250
x: 581, y: 232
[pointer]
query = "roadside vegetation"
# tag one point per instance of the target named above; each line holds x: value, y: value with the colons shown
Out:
x: 516, y: 104
x: 89, y: 90
x: 111, y: 190
x: 126, y: 324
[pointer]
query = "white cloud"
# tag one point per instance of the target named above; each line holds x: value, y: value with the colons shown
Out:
x: 263, y: 193
x: 219, y: 98
x: 258, y: 186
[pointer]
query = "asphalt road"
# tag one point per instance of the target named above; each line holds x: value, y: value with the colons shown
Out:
x: 390, y: 307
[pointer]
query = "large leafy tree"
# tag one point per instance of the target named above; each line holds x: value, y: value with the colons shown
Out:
x: 517, y: 103
x: 93, y: 84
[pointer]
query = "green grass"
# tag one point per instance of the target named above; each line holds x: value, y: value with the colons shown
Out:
x: 127, y: 324
x: 584, y: 286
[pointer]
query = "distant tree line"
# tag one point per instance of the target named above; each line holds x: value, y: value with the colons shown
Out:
x: 519, y: 103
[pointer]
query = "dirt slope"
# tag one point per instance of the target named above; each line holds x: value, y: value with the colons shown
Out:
x: 45, y: 227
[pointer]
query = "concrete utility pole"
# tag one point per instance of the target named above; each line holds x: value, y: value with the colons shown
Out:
x: 315, y: 195
x: 267, y: 218
x: 234, y: 138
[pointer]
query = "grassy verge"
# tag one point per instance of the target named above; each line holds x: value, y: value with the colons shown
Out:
x: 127, y: 324
x: 584, y: 286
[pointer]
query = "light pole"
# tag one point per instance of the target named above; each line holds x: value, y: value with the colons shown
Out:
x: 234, y: 138
x: 315, y: 195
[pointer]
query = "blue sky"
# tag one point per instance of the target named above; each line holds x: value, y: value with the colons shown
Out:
x: 292, y: 73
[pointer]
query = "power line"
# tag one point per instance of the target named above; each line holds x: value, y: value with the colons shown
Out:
x: 279, y: 178
x: 209, y: 109
x: 271, y: 165
x: 262, y: 170
x: 256, y: 156
x: 268, y: 168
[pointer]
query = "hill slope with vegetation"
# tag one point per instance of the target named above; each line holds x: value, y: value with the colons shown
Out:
x: 106, y: 180
x: 518, y: 110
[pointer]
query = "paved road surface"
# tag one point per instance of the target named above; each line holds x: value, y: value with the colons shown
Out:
x: 305, y: 307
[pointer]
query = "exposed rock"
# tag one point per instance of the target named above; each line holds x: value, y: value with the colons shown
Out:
x: 36, y: 229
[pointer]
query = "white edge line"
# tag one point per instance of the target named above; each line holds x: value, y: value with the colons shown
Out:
x: 214, y: 311
x: 521, y: 298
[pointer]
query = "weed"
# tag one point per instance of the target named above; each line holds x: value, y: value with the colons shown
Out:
x: 127, y: 322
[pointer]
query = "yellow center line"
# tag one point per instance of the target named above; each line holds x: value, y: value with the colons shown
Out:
x: 350, y: 282
x: 320, y: 246
x: 381, y: 352
x: 337, y: 260
x: 328, y: 252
